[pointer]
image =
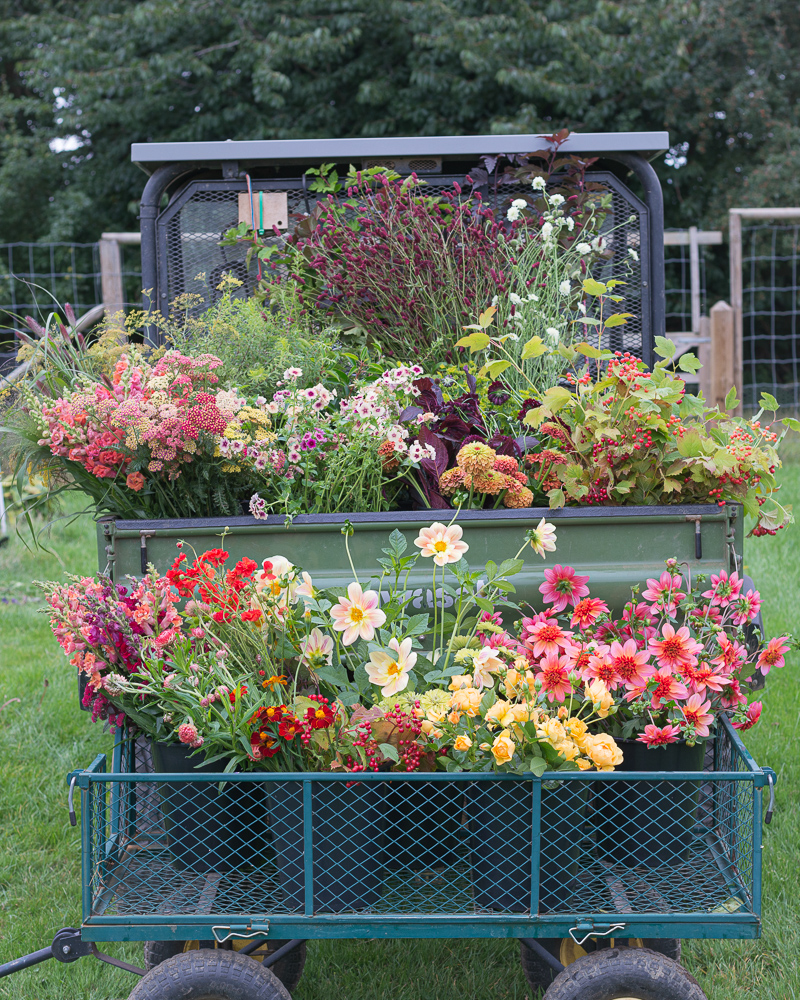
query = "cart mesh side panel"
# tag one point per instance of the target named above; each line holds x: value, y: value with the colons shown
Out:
x: 192, y: 262
x: 395, y: 847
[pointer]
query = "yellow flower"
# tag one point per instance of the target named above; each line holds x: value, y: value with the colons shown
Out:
x: 454, y: 718
x: 435, y: 714
x: 601, y: 697
x: 503, y: 748
x: 462, y: 743
x: 576, y: 730
x: 485, y: 746
x: 552, y: 730
x: 460, y: 681
x: 512, y: 681
x: 583, y: 763
x: 604, y: 752
x: 430, y: 730
x: 497, y: 711
x: 468, y: 701
x: 567, y: 749
x: 523, y: 712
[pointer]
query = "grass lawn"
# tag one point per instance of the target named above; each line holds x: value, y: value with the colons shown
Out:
x: 44, y: 735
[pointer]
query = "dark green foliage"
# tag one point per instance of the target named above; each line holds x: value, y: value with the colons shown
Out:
x: 721, y: 75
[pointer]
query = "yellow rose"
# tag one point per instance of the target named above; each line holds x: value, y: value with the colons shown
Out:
x: 462, y: 743
x: 520, y: 713
x: 563, y: 712
x: 454, y: 718
x: 430, y: 730
x: 503, y: 748
x: 576, y: 730
x: 513, y: 679
x: 467, y: 700
x: 497, y: 711
x: 460, y: 681
x: 583, y: 763
x: 567, y: 750
x: 601, y: 697
x: 485, y: 746
x: 604, y: 752
x: 521, y: 663
x: 552, y: 730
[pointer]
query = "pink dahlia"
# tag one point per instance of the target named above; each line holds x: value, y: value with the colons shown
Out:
x: 724, y: 588
x: 587, y: 611
x: 563, y: 586
x: 749, y: 718
x: 655, y: 736
x: 675, y: 649
x: 665, y: 591
x: 554, y: 677
x: 772, y: 655
x: 547, y: 637
x: 696, y: 714
x: 630, y: 663
x: 667, y: 688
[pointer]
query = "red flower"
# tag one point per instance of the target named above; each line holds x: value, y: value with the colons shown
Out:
x: 237, y: 693
x: 320, y: 717
x: 252, y: 615
x: 289, y: 727
x: 272, y: 713
x: 749, y: 718
x: 214, y: 556
x: 587, y: 611
x: 263, y: 744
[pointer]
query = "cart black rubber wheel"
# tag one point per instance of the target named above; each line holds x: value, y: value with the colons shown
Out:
x: 539, y: 974
x: 288, y: 969
x: 624, y: 974
x: 210, y: 974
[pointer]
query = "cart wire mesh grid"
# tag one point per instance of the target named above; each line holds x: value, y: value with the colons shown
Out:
x: 410, y: 845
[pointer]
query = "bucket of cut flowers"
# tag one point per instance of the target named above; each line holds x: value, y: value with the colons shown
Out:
x: 255, y: 668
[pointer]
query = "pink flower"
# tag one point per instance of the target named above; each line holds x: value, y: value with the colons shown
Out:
x: 554, y: 676
x: 724, y: 588
x: 772, y: 655
x: 732, y: 697
x: 547, y: 637
x: 357, y: 615
x: 187, y: 733
x: 747, y: 607
x: 667, y: 688
x: 696, y: 713
x: 749, y: 718
x: 704, y: 677
x: 562, y: 587
x: 443, y: 542
x: 675, y: 649
x: 732, y: 655
x: 665, y: 591
x: 630, y: 663
x: 601, y: 668
x: 653, y: 736
x: 587, y: 611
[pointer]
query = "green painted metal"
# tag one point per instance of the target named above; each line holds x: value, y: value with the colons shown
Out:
x: 618, y: 547
x: 349, y: 883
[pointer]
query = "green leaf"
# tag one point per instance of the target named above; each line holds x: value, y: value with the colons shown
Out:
x: 475, y: 342
x: 689, y: 363
x: 592, y: 287
x: 495, y: 368
x: 536, y: 766
x: 618, y: 319
x: 592, y: 352
x: 664, y: 347
x: 557, y: 498
x: 389, y: 752
x: 483, y: 604
x: 731, y: 400
x: 768, y: 402
x: 557, y: 397
x: 533, y: 349
x: 791, y: 423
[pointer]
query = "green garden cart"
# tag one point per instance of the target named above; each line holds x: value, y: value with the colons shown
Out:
x: 224, y: 878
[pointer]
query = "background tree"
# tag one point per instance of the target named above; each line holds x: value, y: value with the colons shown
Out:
x: 83, y: 79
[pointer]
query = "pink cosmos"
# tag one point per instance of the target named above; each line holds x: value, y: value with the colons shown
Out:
x: 724, y: 588
x: 587, y: 611
x: 696, y: 713
x: 667, y: 688
x: 747, y: 607
x: 357, y: 615
x: 675, y: 649
x: 665, y: 591
x: 630, y: 663
x: 772, y: 655
x: 563, y: 586
x: 655, y: 736
x: 547, y: 637
x: 554, y: 677
x: 751, y: 717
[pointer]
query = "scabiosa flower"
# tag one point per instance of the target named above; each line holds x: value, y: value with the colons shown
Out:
x: 772, y: 655
x: 563, y: 586
x: 659, y: 736
x: 357, y: 615
x: 543, y: 539
x: 442, y: 542
x: 675, y: 649
x: 565, y: 287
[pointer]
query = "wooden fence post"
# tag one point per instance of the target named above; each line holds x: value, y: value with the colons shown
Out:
x: 111, y: 276
x: 723, y: 355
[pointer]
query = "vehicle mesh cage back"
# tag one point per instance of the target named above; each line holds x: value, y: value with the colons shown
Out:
x: 192, y: 261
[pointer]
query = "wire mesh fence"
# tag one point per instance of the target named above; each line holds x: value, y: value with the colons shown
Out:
x: 37, y: 278
x: 771, y: 312
x: 678, y: 285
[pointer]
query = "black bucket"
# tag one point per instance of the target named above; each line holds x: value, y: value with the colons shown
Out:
x: 347, y: 831
x: 425, y: 824
x: 648, y: 823
x: 503, y: 842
